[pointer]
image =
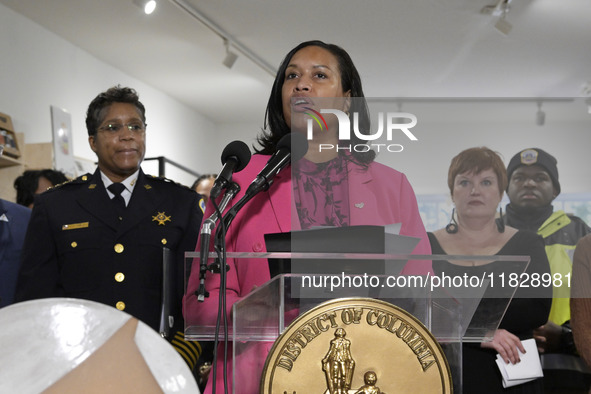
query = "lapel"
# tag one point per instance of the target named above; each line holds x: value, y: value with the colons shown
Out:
x: 362, y: 201
x: 280, y: 193
x: 95, y: 200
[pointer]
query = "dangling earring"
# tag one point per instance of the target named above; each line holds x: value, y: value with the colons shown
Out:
x: 452, y: 227
x: 500, y: 221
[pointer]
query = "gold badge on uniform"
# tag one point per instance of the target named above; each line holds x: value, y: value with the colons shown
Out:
x: 161, y: 218
x: 356, y: 345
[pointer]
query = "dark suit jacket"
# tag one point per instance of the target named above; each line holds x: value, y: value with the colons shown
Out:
x: 14, y: 219
x: 77, y: 247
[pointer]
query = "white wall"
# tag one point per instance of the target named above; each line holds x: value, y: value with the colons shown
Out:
x: 227, y: 132
x: 445, y: 129
x: 39, y: 69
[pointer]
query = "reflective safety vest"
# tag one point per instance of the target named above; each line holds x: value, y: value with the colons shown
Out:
x: 561, y: 233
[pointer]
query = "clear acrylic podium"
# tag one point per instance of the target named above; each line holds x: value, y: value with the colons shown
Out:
x: 447, y: 309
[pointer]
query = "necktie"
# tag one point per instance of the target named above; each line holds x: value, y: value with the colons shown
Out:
x: 118, y: 201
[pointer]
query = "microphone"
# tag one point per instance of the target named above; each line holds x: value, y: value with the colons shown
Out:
x: 291, y: 147
x: 235, y: 157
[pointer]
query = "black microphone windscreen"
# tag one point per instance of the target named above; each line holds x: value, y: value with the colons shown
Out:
x: 240, y: 151
x: 299, y: 146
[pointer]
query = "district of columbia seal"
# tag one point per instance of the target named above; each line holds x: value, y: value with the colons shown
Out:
x: 356, y: 346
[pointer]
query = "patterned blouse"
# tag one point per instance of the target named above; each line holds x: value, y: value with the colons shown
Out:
x: 321, y: 192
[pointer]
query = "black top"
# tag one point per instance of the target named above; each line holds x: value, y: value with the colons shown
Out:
x: 481, y: 374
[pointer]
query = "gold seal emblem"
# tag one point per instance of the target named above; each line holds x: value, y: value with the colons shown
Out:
x: 161, y: 218
x: 356, y: 345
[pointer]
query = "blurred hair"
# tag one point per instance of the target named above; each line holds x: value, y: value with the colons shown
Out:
x: 26, y: 184
x: 202, y: 178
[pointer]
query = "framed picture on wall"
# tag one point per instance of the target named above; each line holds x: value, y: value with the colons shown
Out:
x: 63, y: 155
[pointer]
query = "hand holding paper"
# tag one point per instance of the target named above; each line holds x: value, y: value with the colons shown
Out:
x: 528, y: 369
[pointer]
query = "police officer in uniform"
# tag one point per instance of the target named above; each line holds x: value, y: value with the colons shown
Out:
x: 102, y: 237
x: 533, y: 185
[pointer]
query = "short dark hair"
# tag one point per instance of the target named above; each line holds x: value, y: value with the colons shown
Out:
x: 275, y: 126
x: 27, y: 183
x: 116, y: 94
x: 476, y: 160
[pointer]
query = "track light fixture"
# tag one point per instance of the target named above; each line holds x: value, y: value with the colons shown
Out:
x: 231, y: 57
x: 540, y: 115
x: 503, y: 26
x: 148, y: 6
x: 500, y: 10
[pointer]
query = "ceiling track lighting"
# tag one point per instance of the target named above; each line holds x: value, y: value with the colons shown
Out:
x: 540, y: 115
x: 245, y: 51
x: 231, y: 57
x: 500, y: 10
x: 148, y: 6
x: 540, y: 118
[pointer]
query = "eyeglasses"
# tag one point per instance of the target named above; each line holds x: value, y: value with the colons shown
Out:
x: 116, y: 127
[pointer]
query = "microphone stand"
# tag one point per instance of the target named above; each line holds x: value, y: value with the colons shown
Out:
x: 232, y: 189
x: 206, y: 228
x: 220, y: 247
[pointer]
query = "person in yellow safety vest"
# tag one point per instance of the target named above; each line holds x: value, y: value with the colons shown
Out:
x: 533, y: 185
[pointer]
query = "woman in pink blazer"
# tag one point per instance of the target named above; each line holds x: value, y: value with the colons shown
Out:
x: 336, y: 188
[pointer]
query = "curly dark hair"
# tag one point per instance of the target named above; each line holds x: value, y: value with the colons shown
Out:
x: 116, y: 94
x: 27, y: 183
x: 275, y: 126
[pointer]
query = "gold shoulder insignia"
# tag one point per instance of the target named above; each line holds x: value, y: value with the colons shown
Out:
x: 167, y: 180
x: 68, y: 182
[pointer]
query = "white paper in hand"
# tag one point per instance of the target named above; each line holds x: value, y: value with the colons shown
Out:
x: 528, y: 369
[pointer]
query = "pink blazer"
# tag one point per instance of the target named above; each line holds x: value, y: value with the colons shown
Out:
x: 378, y: 195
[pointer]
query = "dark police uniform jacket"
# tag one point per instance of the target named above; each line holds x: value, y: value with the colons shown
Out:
x: 76, y: 246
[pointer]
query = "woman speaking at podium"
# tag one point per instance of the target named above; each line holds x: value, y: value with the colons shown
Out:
x: 477, y: 180
x: 330, y: 187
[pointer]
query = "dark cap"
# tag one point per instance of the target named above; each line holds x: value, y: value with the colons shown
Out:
x: 531, y: 156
